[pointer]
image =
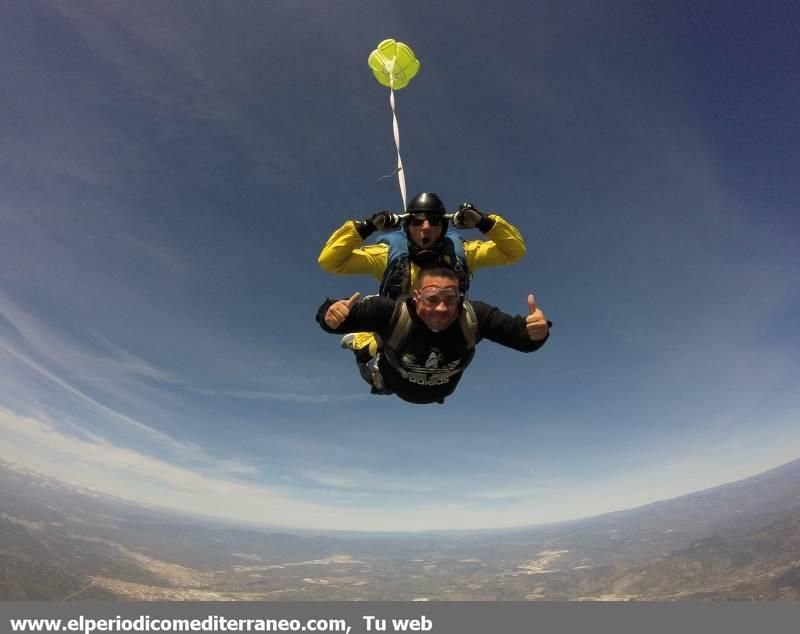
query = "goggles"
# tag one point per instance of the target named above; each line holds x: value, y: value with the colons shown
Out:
x: 416, y: 221
x: 435, y: 295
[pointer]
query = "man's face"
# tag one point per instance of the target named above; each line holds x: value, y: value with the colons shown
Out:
x: 437, y: 301
x: 424, y: 231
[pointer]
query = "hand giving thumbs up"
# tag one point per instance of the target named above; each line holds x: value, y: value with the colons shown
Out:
x: 338, y: 311
x: 535, y: 322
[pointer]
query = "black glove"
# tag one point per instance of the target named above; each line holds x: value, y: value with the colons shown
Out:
x: 385, y: 220
x: 467, y: 217
x: 381, y: 221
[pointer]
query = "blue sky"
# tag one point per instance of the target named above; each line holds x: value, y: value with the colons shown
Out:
x: 170, y: 171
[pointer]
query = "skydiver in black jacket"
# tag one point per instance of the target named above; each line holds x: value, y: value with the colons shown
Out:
x: 428, y: 344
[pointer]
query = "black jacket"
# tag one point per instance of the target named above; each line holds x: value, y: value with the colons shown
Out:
x: 429, y: 358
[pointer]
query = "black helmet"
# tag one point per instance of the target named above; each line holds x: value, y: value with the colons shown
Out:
x: 430, y: 205
x: 426, y: 203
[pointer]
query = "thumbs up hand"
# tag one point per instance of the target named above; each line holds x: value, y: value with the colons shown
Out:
x: 535, y: 322
x: 338, y: 311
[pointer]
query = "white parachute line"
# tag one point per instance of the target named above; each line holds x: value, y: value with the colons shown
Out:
x: 401, y: 177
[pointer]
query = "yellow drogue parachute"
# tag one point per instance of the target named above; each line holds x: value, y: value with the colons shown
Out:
x: 394, y: 65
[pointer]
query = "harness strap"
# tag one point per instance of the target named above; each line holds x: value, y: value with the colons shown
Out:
x: 402, y: 325
x: 469, y: 325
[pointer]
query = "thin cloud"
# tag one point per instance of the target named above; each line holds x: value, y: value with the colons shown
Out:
x: 290, y: 397
x: 112, y: 415
x: 135, y: 366
x: 129, y: 474
x: 62, y: 361
x: 369, y: 482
